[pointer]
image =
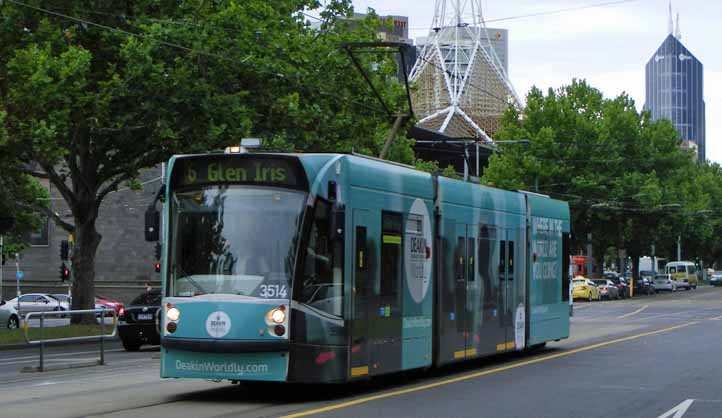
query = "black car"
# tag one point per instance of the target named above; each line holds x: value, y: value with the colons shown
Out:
x: 137, y: 325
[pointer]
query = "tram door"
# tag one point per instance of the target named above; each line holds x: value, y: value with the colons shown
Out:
x: 364, y: 302
x: 466, y: 293
x: 507, y: 276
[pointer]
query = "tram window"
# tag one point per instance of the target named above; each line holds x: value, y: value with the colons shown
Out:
x: 565, y: 267
x: 361, y: 251
x: 323, y: 266
x: 511, y: 257
x: 460, y: 258
x: 391, y: 261
x: 502, y: 258
x: 471, y: 252
x: 487, y: 266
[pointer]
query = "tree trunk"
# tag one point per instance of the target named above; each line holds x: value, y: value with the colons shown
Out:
x: 87, y: 240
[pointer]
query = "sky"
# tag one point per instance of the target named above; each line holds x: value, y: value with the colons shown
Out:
x: 608, y: 46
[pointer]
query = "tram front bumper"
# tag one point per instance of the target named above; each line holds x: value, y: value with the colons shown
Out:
x: 269, y: 365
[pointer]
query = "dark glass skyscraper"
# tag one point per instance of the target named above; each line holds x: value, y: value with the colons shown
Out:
x: 675, y: 89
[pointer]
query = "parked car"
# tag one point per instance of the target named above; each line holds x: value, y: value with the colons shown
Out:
x: 583, y: 288
x: 137, y: 325
x: 9, y: 317
x: 107, y: 303
x: 643, y: 286
x: 716, y: 278
x: 63, y: 299
x: 607, y: 289
x: 35, y: 302
x: 621, y: 284
x: 665, y: 282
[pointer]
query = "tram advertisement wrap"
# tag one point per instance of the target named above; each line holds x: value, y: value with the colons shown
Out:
x: 417, y: 256
x: 546, y: 247
x: 255, y: 366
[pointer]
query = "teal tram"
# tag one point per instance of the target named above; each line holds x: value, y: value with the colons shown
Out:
x: 333, y: 267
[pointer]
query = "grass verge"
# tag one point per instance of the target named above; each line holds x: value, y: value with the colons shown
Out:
x: 17, y: 336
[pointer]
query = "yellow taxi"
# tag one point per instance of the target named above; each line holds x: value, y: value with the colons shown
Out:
x: 583, y: 288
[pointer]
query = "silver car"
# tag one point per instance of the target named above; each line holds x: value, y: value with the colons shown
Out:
x: 607, y: 289
x: 665, y: 282
x: 716, y: 279
x: 8, y: 316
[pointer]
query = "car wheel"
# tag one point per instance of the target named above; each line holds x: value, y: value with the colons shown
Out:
x: 13, y: 322
x: 589, y: 299
x: 131, y: 345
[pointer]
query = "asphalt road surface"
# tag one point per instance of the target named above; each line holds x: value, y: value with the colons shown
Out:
x: 657, y: 357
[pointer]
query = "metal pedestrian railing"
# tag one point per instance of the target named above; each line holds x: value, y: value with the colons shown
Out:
x: 100, y: 337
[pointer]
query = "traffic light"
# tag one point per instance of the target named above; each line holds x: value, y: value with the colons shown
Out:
x: 157, y: 267
x: 64, y: 272
x: 157, y: 250
x: 64, y: 250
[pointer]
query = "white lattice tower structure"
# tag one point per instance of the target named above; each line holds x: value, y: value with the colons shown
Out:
x: 462, y: 88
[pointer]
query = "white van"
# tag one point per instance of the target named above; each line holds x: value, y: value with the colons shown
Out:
x: 684, y: 273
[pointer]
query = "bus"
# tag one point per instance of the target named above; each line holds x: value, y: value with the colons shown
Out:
x: 329, y: 268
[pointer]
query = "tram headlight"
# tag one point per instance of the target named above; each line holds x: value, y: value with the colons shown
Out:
x: 277, y: 315
x: 173, y: 314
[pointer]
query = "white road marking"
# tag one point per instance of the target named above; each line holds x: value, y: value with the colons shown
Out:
x: 633, y: 313
x: 678, y: 410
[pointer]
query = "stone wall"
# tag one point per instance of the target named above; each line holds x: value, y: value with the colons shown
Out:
x: 124, y: 262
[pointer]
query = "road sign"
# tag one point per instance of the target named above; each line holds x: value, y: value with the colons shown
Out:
x: 19, y: 275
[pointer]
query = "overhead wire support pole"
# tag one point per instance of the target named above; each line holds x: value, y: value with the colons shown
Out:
x: 400, y: 118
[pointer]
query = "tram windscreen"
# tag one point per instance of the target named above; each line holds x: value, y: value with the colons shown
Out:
x: 234, y: 240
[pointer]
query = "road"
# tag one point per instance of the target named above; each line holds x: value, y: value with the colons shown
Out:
x: 654, y: 357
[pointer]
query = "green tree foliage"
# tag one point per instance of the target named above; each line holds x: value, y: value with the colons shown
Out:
x: 97, y: 90
x: 625, y: 177
x: 21, y: 194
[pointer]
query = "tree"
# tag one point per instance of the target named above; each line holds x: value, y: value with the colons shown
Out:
x: 97, y: 90
x: 621, y: 172
x: 21, y: 195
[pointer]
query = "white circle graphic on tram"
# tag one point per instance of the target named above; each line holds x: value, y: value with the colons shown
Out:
x: 418, y: 250
x: 218, y: 324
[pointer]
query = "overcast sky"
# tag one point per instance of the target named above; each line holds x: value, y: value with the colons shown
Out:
x: 609, y: 46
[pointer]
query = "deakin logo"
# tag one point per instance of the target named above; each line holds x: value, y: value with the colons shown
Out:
x: 218, y: 324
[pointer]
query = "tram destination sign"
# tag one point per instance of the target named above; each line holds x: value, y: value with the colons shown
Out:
x: 279, y: 171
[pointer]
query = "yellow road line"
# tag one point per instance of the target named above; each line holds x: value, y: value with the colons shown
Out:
x: 482, y: 373
x: 633, y: 313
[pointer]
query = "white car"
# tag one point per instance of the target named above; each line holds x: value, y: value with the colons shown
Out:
x: 9, y: 317
x: 716, y: 278
x: 36, y: 302
x: 665, y: 282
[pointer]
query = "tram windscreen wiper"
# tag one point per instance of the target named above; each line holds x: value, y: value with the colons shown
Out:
x: 190, y: 279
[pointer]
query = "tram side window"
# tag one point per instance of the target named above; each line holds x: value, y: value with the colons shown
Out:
x: 488, y: 269
x: 565, y: 267
x: 391, y: 262
x: 511, y: 258
x: 323, y: 267
x: 460, y: 258
x: 502, y: 258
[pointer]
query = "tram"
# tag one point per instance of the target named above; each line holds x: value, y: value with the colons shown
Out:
x: 329, y: 268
